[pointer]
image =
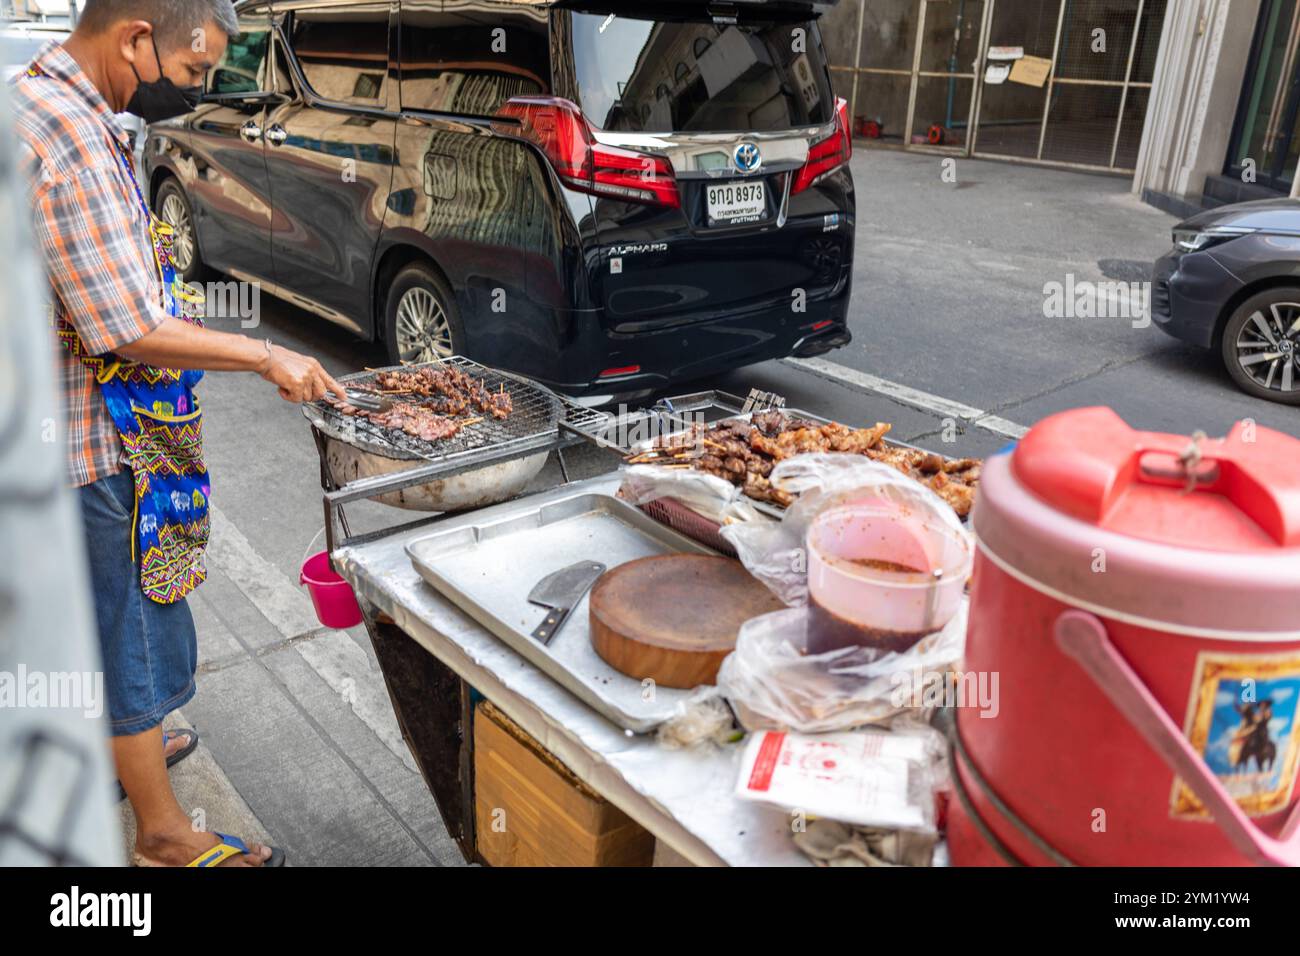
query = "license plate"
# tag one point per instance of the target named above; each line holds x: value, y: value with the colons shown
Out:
x: 734, y: 203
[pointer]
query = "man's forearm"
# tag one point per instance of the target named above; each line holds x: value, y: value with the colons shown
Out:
x: 178, y: 344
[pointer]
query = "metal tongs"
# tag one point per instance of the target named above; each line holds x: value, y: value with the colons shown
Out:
x: 366, y: 401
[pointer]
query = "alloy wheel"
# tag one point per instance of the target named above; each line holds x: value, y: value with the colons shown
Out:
x: 423, y: 332
x: 177, y: 216
x: 1268, y: 347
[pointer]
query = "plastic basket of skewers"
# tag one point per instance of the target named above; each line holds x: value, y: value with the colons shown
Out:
x: 685, y: 520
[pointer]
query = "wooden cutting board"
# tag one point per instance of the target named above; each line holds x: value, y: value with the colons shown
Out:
x: 673, y: 618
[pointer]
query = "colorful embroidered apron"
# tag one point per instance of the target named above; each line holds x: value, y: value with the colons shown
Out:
x: 160, y: 424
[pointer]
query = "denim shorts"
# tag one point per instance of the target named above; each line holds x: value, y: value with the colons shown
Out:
x: 149, y: 650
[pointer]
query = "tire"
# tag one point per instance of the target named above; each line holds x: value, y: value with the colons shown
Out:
x: 421, y: 320
x: 1261, y: 345
x: 172, y: 206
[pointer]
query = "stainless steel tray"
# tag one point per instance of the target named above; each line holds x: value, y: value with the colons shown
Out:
x: 487, y: 563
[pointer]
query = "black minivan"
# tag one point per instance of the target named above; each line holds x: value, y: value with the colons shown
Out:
x: 606, y: 196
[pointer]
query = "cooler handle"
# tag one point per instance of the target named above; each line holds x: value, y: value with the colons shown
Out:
x: 1083, y: 637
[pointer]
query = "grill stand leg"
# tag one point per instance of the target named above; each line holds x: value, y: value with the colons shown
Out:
x: 327, y: 485
x: 435, y: 715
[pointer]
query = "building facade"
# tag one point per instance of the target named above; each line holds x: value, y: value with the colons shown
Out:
x: 1197, y: 100
x: 1225, y: 119
x: 1061, y: 82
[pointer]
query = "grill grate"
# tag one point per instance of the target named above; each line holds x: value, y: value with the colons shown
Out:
x: 536, y: 415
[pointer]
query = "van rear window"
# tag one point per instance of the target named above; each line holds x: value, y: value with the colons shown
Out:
x: 639, y: 74
x: 469, y: 61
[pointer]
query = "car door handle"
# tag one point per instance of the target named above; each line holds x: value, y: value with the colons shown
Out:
x: 250, y: 132
x: 276, y: 135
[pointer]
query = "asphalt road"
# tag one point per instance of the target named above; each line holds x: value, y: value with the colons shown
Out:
x: 948, y: 297
x: 948, y: 302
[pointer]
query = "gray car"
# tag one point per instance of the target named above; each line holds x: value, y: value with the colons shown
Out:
x: 1232, y: 283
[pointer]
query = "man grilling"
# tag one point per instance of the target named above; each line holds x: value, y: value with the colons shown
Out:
x: 129, y: 359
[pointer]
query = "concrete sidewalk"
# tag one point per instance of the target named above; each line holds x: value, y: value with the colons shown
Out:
x: 297, y: 719
x: 299, y: 747
x: 207, y: 794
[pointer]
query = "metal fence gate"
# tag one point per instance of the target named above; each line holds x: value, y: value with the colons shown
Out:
x: 917, y: 76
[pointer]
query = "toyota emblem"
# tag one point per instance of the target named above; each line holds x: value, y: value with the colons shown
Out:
x: 747, y: 158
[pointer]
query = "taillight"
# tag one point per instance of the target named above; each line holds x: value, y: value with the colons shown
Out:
x: 559, y: 129
x: 620, y: 371
x: 829, y: 154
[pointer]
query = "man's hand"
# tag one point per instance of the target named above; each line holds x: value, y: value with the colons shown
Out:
x: 174, y: 343
x: 300, y: 378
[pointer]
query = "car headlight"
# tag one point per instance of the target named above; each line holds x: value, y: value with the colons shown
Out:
x: 1195, y: 240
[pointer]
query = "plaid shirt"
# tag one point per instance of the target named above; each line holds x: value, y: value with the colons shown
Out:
x: 94, y: 239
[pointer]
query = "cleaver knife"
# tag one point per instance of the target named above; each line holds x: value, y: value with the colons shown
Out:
x: 560, y: 592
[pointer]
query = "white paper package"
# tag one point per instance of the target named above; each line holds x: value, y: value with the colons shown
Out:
x: 869, y: 778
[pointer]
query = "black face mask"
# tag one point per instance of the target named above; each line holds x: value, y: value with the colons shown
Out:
x: 161, y: 99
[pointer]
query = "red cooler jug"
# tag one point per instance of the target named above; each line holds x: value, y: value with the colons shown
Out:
x: 1138, y: 596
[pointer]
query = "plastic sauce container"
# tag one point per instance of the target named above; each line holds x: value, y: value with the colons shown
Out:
x: 881, y: 576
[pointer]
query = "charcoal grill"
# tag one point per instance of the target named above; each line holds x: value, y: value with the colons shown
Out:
x: 537, y: 412
x: 486, y: 462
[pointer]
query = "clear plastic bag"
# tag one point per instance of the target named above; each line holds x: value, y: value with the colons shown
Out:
x: 774, y: 551
x: 774, y: 685
x: 702, y: 718
x: 706, y: 494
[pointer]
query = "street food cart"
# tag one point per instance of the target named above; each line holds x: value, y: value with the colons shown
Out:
x: 538, y: 749
x: 445, y: 652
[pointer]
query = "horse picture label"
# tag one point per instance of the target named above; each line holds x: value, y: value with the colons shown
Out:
x: 1241, y: 719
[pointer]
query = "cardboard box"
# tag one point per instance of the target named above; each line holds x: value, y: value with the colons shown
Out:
x: 530, y: 809
x: 1031, y: 70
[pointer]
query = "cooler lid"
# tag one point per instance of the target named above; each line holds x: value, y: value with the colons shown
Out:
x: 1238, y: 493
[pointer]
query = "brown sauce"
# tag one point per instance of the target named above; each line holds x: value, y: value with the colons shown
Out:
x: 879, y: 564
x: 827, y: 631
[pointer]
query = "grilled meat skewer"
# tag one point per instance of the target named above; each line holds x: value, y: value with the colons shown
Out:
x: 745, y: 452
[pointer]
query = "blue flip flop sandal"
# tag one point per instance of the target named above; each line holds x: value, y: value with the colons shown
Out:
x: 174, y: 759
x: 232, y: 846
x: 215, y: 856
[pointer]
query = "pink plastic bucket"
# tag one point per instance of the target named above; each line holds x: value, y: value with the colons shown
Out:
x: 336, y: 605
